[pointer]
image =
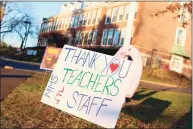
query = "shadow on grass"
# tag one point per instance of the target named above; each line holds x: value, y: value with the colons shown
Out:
x: 139, y: 96
x: 185, y: 122
x: 148, y: 110
x: 15, y: 76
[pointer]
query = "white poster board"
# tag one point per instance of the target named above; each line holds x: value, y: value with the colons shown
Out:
x: 176, y: 63
x: 90, y: 85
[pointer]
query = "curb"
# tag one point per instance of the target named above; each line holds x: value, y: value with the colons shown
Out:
x: 25, y: 62
x: 158, y: 83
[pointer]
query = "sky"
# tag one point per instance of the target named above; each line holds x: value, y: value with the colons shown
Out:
x: 40, y: 10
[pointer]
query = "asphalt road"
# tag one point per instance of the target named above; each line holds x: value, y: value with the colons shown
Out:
x: 10, y: 79
x: 19, y: 65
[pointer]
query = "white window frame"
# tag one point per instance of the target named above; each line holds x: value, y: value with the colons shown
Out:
x: 103, y: 37
x: 99, y: 11
x: 108, y: 36
x: 108, y: 14
x: 126, y: 12
x: 114, y: 13
x: 120, y: 12
x: 89, y: 17
x: 94, y: 14
x: 118, y: 36
x: 183, y: 40
x: 95, y: 31
x: 187, y: 15
x: 123, y: 30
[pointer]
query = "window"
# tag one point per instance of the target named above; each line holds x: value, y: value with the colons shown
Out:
x: 78, y: 40
x: 126, y: 12
x: 121, y: 12
x: 90, y: 37
x: 136, y: 11
x: 69, y: 22
x: 60, y: 24
x: 122, y: 37
x: 80, y: 20
x: 116, y: 37
x: 94, y: 17
x: 85, y: 38
x: 110, y: 37
x: 89, y: 18
x: 50, y: 25
x: 76, y: 21
x: 72, y: 22
x: 77, y: 37
x: 94, y: 38
x: 184, y: 14
x: 108, y: 17
x: 99, y: 12
x: 114, y: 15
x: 84, y: 19
x: 104, y: 38
x: 180, y: 37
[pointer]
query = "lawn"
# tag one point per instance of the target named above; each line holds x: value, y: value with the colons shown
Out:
x: 147, y: 109
x: 163, y: 76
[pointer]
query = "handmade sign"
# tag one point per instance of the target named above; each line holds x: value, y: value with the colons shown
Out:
x: 50, y: 58
x: 90, y: 85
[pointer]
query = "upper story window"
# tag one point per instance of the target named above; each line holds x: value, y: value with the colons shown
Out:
x: 114, y: 14
x: 94, y: 17
x: 99, y: 13
x: 76, y: 21
x: 69, y: 22
x: 89, y: 18
x: 80, y: 20
x: 84, y: 19
x: 108, y: 17
x: 184, y: 15
x: 180, y: 37
x: 104, y: 38
x: 127, y: 12
x: 121, y: 12
x: 72, y: 22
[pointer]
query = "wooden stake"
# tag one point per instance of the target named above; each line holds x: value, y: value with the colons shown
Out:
x: 43, y: 79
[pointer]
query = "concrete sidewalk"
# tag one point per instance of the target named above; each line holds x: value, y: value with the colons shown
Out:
x: 163, y: 87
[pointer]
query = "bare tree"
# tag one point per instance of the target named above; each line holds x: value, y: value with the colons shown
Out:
x: 11, y: 16
x: 173, y: 7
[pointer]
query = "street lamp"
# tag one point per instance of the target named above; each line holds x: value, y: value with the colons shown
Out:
x: 26, y: 35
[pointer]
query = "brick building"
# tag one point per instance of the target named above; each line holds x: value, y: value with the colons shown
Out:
x: 109, y: 25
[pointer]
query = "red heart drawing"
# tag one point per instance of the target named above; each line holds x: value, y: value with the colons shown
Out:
x: 113, y: 67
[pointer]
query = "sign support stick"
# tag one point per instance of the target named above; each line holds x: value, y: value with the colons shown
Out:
x: 43, y: 79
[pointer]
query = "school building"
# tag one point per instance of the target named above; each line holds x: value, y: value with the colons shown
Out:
x: 106, y: 26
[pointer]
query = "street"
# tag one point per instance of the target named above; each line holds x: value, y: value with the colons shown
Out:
x: 10, y: 79
x: 19, y: 65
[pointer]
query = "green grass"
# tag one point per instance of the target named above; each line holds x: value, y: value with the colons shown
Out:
x: 168, y: 77
x: 147, y: 109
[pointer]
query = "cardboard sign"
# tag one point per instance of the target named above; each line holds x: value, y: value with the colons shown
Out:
x: 90, y: 85
x: 50, y: 58
x: 176, y: 63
